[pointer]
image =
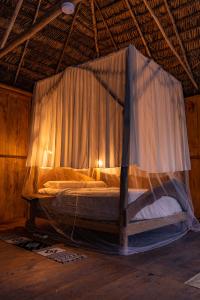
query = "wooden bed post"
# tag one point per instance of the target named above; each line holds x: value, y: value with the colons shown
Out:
x: 126, y: 151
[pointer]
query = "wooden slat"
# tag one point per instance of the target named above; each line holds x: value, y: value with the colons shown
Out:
x: 142, y: 226
x: 15, y: 90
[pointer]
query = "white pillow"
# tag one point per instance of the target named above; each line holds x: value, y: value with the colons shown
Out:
x: 74, y: 184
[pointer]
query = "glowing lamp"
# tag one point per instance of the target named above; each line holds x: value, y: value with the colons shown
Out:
x: 68, y: 8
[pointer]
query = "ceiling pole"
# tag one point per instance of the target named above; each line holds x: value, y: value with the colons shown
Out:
x: 11, y: 24
x: 169, y: 43
x: 95, y: 27
x: 29, y: 33
x: 138, y: 27
x: 106, y: 25
x: 178, y: 36
x: 26, y: 44
x: 67, y: 39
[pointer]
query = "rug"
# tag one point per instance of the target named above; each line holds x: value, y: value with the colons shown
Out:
x: 43, y: 248
x: 194, y: 281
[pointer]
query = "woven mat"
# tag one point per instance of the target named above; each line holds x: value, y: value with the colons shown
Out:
x: 52, y: 252
x: 194, y: 281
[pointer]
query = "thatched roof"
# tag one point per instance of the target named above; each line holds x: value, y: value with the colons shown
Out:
x: 115, y: 28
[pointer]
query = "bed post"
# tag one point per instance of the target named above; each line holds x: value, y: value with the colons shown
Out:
x: 125, y: 152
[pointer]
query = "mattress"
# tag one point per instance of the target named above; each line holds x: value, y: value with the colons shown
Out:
x: 103, y: 204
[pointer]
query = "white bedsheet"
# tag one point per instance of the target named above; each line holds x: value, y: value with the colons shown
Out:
x: 165, y: 206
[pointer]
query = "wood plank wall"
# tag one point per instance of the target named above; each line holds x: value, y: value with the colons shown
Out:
x: 14, y: 132
x: 193, y: 125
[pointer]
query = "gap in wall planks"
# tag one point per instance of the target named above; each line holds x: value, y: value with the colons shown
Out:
x: 14, y: 132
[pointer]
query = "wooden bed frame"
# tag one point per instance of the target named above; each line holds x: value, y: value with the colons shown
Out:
x: 114, y: 227
x: 124, y: 226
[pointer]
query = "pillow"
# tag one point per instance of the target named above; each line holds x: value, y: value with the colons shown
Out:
x: 74, y: 184
x: 62, y: 174
x: 111, y: 180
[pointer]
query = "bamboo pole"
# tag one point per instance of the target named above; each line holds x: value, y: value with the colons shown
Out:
x: 169, y: 43
x: 138, y: 27
x: 67, y: 39
x: 12, y: 22
x: 126, y: 151
x: 50, y: 16
x: 95, y: 27
x: 26, y: 44
x: 178, y: 37
x: 106, y: 25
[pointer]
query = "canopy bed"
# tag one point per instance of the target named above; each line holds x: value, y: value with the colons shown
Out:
x: 109, y: 152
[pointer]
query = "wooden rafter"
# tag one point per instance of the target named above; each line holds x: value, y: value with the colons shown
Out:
x: 178, y: 37
x: 169, y: 43
x: 95, y: 27
x: 138, y: 27
x: 106, y: 25
x: 29, y: 33
x: 67, y: 39
x: 26, y: 44
x: 12, y: 22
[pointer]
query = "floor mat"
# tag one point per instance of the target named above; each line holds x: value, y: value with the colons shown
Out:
x: 194, y: 281
x: 43, y: 248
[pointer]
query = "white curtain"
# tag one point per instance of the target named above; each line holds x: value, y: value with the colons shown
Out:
x: 78, y: 116
x: 158, y: 127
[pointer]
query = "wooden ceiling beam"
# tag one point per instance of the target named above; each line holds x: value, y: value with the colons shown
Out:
x: 178, y: 37
x: 138, y: 27
x: 26, y: 44
x: 169, y: 43
x: 29, y: 33
x: 95, y: 27
x: 67, y: 39
x: 106, y: 25
x: 11, y: 24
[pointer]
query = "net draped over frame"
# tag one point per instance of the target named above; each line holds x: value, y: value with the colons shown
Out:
x: 75, y: 151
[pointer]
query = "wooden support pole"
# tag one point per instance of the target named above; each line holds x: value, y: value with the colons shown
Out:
x: 67, y: 39
x: 106, y: 25
x: 12, y: 22
x: 138, y: 28
x: 95, y: 27
x: 126, y: 150
x: 178, y: 37
x: 26, y: 44
x: 50, y: 16
x: 169, y: 43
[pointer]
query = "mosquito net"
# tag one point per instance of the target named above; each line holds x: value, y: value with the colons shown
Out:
x: 108, y: 158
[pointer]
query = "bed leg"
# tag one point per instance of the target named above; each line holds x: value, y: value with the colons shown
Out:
x: 124, y: 241
x: 31, y: 220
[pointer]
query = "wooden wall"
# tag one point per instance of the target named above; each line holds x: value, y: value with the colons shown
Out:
x: 193, y: 124
x: 14, y: 132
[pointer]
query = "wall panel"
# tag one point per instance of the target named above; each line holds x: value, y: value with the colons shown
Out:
x: 193, y: 125
x: 14, y: 133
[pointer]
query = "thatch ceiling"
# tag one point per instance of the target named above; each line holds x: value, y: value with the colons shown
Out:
x: 42, y: 55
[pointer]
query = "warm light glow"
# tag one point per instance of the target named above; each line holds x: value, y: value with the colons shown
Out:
x: 99, y: 163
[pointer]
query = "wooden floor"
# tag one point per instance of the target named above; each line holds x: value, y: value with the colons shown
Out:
x: 159, y: 274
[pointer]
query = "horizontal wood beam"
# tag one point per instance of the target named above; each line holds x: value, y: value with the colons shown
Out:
x: 169, y: 43
x: 15, y: 90
x: 29, y: 33
x: 13, y: 156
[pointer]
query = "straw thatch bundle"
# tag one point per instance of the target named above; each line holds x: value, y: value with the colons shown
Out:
x: 98, y: 30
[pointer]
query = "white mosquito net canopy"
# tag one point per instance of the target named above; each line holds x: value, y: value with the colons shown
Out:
x: 109, y: 146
